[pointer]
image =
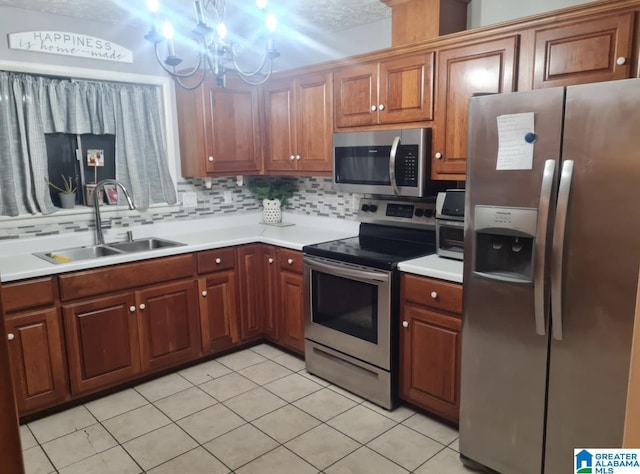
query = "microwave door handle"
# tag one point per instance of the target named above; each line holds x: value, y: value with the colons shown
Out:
x: 392, y: 165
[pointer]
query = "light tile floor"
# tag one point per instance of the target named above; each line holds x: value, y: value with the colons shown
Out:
x: 257, y: 411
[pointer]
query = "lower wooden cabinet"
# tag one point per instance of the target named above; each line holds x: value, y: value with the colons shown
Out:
x: 291, y: 302
x: 36, y: 355
x: 103, y: 346
x: 271, y: 308
x: 250, y: 272
x: 430, y: 345
x: 218, y: 311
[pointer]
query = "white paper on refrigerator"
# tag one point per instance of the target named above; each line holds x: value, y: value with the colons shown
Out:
x: 514, y: 152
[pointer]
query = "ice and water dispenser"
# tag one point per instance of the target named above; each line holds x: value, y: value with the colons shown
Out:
x: 504, y: 243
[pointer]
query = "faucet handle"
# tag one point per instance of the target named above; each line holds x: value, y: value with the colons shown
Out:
x: 128, y: 234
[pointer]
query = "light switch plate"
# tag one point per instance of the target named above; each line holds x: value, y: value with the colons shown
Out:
x: 189, y: 199
x: 228, y: 197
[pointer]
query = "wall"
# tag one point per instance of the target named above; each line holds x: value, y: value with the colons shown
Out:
x: 488, y: 12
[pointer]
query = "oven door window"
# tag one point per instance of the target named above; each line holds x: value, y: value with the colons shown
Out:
x: 345, y: 305
x: 451, y: 238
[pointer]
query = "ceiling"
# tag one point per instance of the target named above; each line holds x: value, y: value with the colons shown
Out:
x: 332, y: 15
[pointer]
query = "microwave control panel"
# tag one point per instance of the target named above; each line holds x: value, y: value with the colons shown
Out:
x: 412, y: 214
x: 407, y: 165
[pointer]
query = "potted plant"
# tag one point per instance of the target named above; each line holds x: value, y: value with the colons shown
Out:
x: 66, y: 193
x: 275, y: 193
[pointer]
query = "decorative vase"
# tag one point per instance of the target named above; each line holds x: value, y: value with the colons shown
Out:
x: 67, y: 201
x: 271, y: 211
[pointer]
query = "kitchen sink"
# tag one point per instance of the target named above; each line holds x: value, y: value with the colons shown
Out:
x: 142, y: 245
x: 98, y: 251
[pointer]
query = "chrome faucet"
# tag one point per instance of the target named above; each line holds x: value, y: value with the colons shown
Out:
x: 96, y: 205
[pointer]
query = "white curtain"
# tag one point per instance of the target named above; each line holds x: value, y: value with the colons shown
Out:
x: 47, y: 105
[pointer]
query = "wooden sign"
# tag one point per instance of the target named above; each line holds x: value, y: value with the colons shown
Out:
x: 70, y: 44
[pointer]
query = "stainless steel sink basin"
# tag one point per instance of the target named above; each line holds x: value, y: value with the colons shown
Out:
x: 98, y: 251
x: 78, y: 253
x: 142, y: 245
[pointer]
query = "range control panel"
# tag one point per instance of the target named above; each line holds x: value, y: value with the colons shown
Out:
x: 390, y: 212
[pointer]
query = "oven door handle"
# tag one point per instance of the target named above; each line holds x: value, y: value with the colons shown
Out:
x: 392, y: 165
x: 346, y: 272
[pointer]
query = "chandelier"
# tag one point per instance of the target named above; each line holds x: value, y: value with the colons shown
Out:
x: 213, y: 55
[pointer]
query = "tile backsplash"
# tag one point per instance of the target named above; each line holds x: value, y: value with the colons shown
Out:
x: 315, y: 196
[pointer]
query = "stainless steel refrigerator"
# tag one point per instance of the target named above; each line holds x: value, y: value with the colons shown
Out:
x: 552, y: 251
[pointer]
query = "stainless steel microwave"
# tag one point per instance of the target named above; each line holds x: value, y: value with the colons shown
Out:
x: 387, y: 162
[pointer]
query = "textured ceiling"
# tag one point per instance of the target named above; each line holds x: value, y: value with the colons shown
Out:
x: 332, y: 15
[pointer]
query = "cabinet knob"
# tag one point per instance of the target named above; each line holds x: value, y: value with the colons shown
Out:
x: 621, y: 61
x: 438, y: 156
x: 405, y: 324
x: 290, y: 261
x: 373, y: 108
x: 297, y: 157
x: 381, y: 107
x: 10, y: 336
x: 292, y: 157
x: 210, y: 158
x: 434, y: 295
x: 204, y: 293
x: 142, y: 306
x: 270, y: 260
x: 132, y: 309
x: 218, y: 260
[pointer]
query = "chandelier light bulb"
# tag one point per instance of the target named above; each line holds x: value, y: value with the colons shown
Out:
x: 262, y: 4
x: 167, y: 30
x: 153, y: 5
x: 222, y: 30
x: 271, y: 22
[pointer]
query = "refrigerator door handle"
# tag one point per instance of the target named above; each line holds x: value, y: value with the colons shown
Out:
x: 564, y: 193
x: 540, y: 302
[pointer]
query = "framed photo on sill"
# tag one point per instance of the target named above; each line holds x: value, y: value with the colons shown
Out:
x: 111, y: 192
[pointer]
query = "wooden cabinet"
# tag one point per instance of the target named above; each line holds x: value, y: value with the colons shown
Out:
x: 102, y: 341
x: 219, y: 129
x: 36, y: 355
x: 487, y: 66
x: 573, y: 52
x: 291, y: 301
x: 430, y: 345
x: 168, y: 324
x: 396, y: 90
x: 219, y: 308
x: 271, y: 309
x: 250, y: 271
x: 299, y: 124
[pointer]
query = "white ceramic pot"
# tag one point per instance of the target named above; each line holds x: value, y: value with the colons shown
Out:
x: 271, y: 211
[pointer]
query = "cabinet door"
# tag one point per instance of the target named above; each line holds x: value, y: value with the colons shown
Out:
x: 37, y: 363
x: 168, y: 324
x: 218, y: 310
x: 279, y: 126
x: 231, y: 128
x: 430, y: 361
x: 271, y: 309
x: 589, y: 51
x: 292, y: 307
x: 314, y: 123
x: 463, y: 71
x: 102, y: 342
x: 251, y: 284
x: 406, y: 89
x: 356, y: 95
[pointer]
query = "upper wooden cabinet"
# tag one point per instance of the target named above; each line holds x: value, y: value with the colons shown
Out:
x: 299, y: 124
x: 581, y: 52
x: 396, y: 90
x: 219, y: 129
x: 488, y: 66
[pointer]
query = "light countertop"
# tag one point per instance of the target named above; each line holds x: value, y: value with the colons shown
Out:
x: 434, y: 267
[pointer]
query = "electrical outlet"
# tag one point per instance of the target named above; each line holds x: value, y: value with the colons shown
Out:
x: 189, y: 200
x: 355, y: 202
x: 228, y: 197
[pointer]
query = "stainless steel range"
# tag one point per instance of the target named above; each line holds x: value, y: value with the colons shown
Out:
x: 352, y: 297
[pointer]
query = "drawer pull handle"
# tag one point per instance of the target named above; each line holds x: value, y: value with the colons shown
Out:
x: 270, y: 260
x: 290, y: 261
x: 405, y: 324
x: 142, y: 307
x: 218, y: 261
x: 434, y: 295
x: 204, y: 293
x: 10, y: 336
x: 132, y: 309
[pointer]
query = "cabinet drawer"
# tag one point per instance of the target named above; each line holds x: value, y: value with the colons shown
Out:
x: 290, y: 260
x: 216, y: 260
x: 28, y: 294
x: 125, y: 276
x: 434, y: 293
